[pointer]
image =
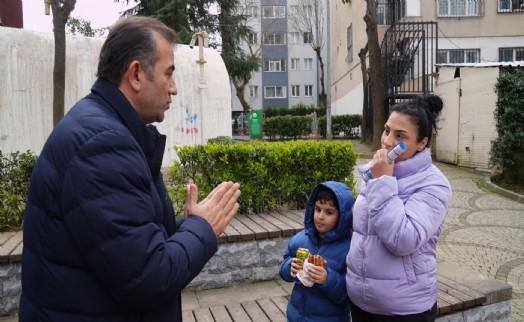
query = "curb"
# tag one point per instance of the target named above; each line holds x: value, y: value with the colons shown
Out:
x: 501, y: 191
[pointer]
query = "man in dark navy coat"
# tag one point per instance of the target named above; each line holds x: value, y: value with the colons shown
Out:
x: 100, y: 239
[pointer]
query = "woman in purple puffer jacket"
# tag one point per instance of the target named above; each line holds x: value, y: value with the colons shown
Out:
x: 397, y: 219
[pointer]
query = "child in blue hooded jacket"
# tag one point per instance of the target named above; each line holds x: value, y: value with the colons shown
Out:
x: 327, y: 232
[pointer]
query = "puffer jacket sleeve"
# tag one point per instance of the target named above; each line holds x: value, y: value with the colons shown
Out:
x: 289, y: 254
x: 405, y: 227
x: 112, y: 215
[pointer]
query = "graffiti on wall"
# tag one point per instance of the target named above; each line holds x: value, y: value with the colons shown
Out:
x: 189, y: 123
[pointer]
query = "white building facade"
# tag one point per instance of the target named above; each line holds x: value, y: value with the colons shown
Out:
x: 469, y: 31
x: 289, y: 68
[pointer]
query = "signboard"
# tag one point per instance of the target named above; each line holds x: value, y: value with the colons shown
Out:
x: 255, y: 123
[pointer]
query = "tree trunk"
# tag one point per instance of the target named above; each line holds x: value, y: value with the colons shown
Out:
x: 367, y: 134
x: 377, y: 85
x: 60, y: 16
x: 239, y: 92
x: 323, y: 95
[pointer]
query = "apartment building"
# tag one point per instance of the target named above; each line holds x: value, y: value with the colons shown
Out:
x: 289, y: 73
x: 454, y: 31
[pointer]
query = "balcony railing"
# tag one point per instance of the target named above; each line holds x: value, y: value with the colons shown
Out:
x: 510, y: 5
x: 460, y: 8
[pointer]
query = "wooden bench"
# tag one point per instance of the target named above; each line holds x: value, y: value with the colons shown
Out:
x: 454, y: 296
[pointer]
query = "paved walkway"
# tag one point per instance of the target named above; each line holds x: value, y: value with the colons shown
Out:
x: 483, y: 231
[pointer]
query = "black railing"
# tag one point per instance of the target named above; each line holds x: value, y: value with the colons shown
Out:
x: 409, y: 53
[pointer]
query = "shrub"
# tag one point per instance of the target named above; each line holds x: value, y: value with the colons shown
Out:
x: 347, y: 125
x: 295, y: 110
x: 287, y: 126
x: 271, y: 174
x: 508, y: 149
x: 15, y: 174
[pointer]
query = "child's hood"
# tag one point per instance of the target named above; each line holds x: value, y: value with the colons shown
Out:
x: 345, y: 204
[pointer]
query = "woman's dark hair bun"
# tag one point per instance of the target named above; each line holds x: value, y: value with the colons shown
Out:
x: 433, y: 103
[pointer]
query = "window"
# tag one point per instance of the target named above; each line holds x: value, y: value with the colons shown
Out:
x: 511, y: 54
x: 239, y: 10
x: 457, y: 8
x: 349, y: 34
x: 389, y: 12
x: 511, y: 5
x: 308, y: 90
x: 308, y: 63
x: 301, y: 12
x: 274, y: 11
x: 294, y: 37
x: 275, y: 65
x: 253, y: 91
x: 458, y: 56
x: 274, y: 38
x: 251, y: 11
x: 295, y: 90
x: 275, y: 92
x: 381, y: 13
x: 308, y: 11
x: 252, y: 38
x: 295, y: 63
x: 308, y: 37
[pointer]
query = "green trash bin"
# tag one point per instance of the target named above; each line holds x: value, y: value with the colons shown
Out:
x: 255, y: 124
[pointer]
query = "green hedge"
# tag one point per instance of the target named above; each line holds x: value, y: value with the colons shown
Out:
x: 507, y: 150
x: 285, y: 127
x: 348, y: 125
x: 271, y: 174
x: 15, y: 174
x: 296, y: 110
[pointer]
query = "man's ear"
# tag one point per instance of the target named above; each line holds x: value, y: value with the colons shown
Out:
x: 422, y: 144
x: 134, y: 74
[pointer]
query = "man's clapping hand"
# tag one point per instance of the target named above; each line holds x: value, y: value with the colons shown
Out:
x: 218, y: 208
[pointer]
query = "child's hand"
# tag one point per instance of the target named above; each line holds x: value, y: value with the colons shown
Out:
x: 317, y: 274
x: 296, y: 264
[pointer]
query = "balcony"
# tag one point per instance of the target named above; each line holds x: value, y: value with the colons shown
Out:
x: 510, y: 5
x: 460, y: 8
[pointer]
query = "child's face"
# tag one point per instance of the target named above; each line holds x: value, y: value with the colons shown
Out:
x: 325, y: 217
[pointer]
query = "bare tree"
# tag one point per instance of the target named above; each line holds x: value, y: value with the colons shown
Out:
x: 251, y: 48
x: 308, y: 16
x: 61, y: 10
x: 375, y: 72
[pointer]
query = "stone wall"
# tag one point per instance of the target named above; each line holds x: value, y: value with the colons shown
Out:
x: 496, y: 312
x: 242, y: 262
x: 10, y: 287
x: 234, y: 263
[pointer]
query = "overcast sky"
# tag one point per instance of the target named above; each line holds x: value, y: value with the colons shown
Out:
x: 101, y: 13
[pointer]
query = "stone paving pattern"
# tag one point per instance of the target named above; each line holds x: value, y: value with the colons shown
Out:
x: 484, y: 231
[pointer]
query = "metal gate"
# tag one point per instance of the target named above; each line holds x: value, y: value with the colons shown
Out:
x: 409, y: 52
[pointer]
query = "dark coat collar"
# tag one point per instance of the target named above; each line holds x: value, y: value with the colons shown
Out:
x: 150, y: 140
